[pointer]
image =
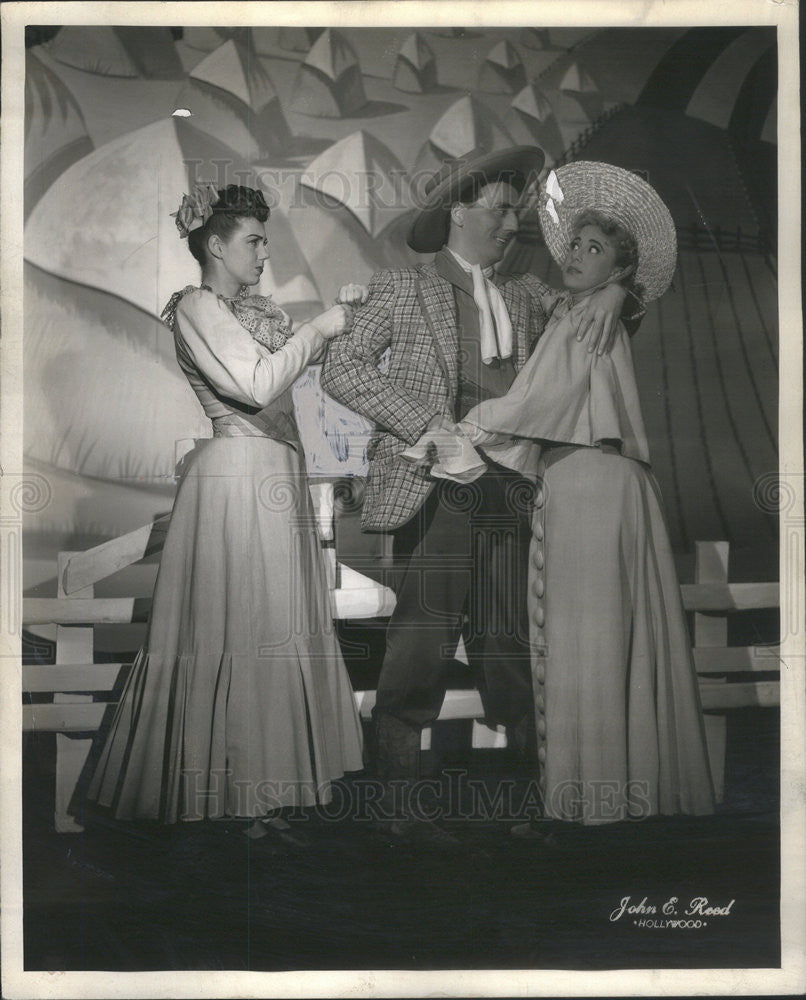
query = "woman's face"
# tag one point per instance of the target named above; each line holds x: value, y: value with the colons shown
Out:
x: 245, y: 252
x: 590, y: 261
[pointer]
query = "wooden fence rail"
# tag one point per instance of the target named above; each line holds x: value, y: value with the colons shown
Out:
x: 83, y: 691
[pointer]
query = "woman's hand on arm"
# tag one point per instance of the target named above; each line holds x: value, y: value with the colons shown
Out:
x: 353, y: 295
x: 599, y: 320
x: 350, y: 373
x: 334, y: 321
x: 331, y: 323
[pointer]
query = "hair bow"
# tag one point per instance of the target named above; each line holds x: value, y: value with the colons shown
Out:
x: 196, y: 209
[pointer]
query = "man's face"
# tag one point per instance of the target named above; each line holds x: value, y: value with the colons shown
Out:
x: 490, y: 222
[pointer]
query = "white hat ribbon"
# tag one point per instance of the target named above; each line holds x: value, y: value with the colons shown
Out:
x: 554, y: 193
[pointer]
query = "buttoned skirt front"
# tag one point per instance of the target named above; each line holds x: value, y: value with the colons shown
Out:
x: 619, y: 721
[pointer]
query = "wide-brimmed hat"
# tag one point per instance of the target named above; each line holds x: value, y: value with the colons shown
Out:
x: 622, y: 196
x: 517, y: 165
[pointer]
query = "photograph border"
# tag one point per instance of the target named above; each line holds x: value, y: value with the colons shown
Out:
x: 791, y: 977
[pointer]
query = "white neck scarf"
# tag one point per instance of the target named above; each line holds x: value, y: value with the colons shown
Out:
x: 494, y: 322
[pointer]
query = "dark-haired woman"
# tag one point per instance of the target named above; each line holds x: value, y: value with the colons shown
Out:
x: 239, y: 705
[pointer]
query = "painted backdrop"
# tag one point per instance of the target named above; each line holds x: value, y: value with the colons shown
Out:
x: 340, y: 129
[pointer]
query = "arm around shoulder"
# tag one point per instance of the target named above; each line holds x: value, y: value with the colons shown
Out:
x: 543, y: 296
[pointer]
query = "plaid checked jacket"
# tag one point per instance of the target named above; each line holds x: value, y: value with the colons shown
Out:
x: 412, y: 311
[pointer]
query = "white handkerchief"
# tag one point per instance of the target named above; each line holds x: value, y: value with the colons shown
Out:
x: 452, y: 454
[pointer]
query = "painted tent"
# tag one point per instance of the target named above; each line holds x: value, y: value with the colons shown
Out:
x: 329, y: 82
x: 574, y: 115
x: 614, y: 59
x: 503, y: 71
x: 352, y: 213
x: 101, y: 269
x: 135, y: 258
x: 232, y: 97
x: 538, y: 38
x: 467, y: 124
x: 129, y: 51
x: 415, y: 66
x: 531, y: 119
x: 55, y: 130
x: 364, y: 176
x: 718, y: 90
x: 578, y: 83
x: 338, y: 248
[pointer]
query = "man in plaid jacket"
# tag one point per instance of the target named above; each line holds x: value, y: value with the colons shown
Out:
x: 455, y: 336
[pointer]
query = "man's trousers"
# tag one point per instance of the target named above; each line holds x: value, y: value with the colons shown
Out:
x: 461, y: 568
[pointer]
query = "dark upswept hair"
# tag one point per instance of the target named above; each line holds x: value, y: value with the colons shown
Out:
x: 622, y: 240
x: 234, y: 204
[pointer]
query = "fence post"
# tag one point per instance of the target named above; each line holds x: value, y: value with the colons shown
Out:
x: 74, y: 644
x: 481, y: 736
x: 323, y: 496
x: 712, y: 631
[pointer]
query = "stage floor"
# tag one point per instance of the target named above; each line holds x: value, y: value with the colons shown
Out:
x: 125, y: 896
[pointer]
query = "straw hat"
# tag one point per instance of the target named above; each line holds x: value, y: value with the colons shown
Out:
x: 517, y: 165
x: 621, y: 195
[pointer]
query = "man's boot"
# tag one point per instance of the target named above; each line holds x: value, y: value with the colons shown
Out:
x: 397, y: 750
x: 397, y: 765
x: 522, y: 744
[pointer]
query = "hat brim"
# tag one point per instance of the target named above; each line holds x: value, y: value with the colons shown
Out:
x: 624, y: 197
x: 429, y: 229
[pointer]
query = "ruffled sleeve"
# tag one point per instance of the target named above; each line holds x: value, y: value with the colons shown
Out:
x: 234, y: 364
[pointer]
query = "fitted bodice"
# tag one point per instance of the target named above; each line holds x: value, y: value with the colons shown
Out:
x: 243, y: 387
x: 231, y: 418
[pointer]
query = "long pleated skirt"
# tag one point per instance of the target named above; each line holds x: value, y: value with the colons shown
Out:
x: 240, y: 701
x: 619, y: 720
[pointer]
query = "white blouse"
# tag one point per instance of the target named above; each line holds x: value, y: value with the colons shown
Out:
x: 239, y: 382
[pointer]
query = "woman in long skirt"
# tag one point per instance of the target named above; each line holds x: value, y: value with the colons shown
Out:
x: 239, y: 704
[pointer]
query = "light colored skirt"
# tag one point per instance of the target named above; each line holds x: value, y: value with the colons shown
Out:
x: 240, y: 702
x: 620, y: 727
